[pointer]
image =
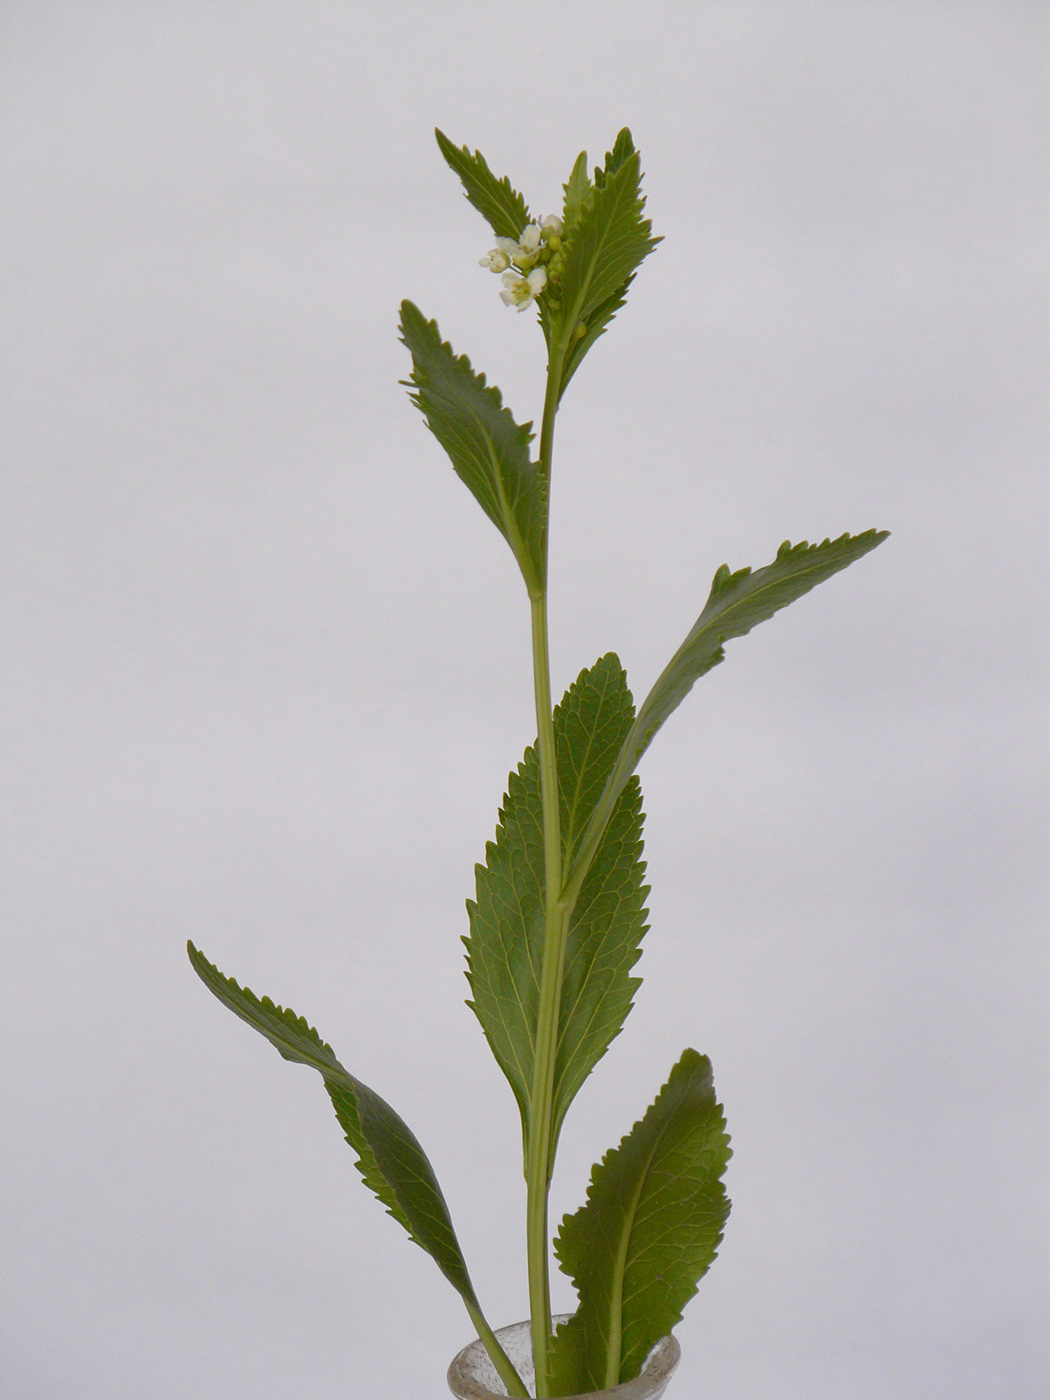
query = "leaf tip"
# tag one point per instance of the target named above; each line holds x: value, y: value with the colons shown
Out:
x: 725, y: 578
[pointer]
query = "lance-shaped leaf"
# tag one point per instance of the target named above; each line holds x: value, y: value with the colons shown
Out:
x: 604, y: 246
x: 390, y: 1158
x: 578, y: 191
x: 738, y: 602
x: 651, y: 1225
x: 608, y: 920
x: 595, y: 325
x: 489, y: 451
x: 505, y: 210
x: 505, y: 946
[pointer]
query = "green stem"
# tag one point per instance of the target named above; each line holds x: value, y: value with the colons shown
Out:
x: 538, y: 1165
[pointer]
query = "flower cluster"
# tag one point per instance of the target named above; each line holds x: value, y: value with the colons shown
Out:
x: 522, y: 260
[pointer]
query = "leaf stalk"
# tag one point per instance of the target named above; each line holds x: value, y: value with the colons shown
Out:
x: 499, y: 1358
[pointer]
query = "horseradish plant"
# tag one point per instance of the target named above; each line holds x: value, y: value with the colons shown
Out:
x: 558, y: 918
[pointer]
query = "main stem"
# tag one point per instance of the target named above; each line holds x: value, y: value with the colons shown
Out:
x: 538, y: 1163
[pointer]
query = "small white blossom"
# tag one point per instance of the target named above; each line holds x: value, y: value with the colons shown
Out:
x: 530, y: 238
x: 551, y: 227
x: 506, y: 252
x: 495, y: 260
x: 521, y: 291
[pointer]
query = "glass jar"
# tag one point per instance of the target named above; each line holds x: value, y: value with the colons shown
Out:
x: 472, y: 1375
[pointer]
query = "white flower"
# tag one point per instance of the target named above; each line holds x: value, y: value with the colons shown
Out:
x: 551, y: 227
x: 506, y: 251
x: 521, y: 291
x: 495, y: 260
x: 530, y: 239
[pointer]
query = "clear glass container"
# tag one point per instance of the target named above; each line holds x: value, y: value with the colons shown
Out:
x: 472, y: 1375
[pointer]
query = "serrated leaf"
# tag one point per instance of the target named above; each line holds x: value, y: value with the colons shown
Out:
x: 649, y: 1230
x: 488, y: 449
x: 505, y: 946
x: 605, y: 246
x: 578, y: 191
x: 595, y: 325
x: 623, y: 149
x: 609, y: 919
x: 390, y: 1159
x: 737, y: 602
x: 496, y: 200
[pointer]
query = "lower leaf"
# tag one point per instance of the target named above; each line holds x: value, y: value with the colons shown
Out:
x: 649, y: 1230
x: 389, y: 1157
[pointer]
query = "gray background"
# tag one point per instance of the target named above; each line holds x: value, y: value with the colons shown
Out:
x: 266, y: 669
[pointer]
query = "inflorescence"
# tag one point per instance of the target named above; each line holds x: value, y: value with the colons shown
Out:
x: 523, y: 261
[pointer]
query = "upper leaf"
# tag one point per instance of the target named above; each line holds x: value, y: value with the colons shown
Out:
x: 505, y: 946
x: 579, y: 194
x: 489, y: 451
x: 738, y: 602
x: 654, y: 1217
x: 578, y: 190
x: 623, y: 149
x: 604, y: 247
x: 505, y: 210
x: 390, y: 1158
x: 596, y: 324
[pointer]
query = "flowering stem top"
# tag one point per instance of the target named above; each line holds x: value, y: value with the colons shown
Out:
x: 523, y: 261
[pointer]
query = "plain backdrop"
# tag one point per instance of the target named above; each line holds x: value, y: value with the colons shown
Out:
x: 266, y: 669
